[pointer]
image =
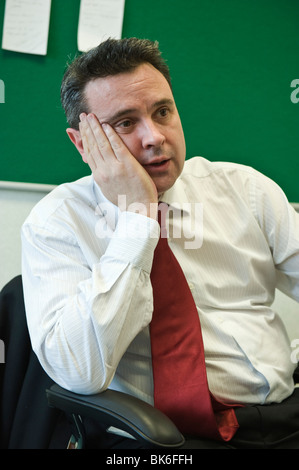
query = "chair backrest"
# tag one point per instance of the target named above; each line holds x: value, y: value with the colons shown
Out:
x: 26, y: 421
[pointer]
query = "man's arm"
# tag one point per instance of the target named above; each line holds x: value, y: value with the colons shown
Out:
x: 83, y: 318
x: 280, y: 224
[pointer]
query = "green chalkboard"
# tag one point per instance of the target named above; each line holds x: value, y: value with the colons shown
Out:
x: 232, y: 65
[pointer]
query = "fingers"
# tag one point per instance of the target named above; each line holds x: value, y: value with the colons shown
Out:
x: 114, y: 168
x: 101, y: 141
x: 95, y: 142
x: 84, y: 132
x: 120, y: 150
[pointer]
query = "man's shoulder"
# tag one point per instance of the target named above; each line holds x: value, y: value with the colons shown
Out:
x: 62, y: 197
x: 202, y: 167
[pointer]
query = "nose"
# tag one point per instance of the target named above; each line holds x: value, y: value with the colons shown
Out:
x: 152, y: 135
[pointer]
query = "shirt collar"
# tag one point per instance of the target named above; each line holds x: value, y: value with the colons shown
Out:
x: 176, y: 197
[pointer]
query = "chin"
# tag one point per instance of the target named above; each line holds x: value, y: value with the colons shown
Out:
x: 162, y: 188
x: 165, y: 183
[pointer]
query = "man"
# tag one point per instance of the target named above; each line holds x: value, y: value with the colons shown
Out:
x: 88, y: 247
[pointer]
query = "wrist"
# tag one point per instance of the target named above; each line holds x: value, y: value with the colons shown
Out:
x: 148, y: 209
x: 134, y: 240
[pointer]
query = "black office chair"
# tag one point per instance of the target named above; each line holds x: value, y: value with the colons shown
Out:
x: 35, y: 413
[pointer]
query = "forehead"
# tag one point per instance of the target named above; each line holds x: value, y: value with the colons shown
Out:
x: 140, y: 87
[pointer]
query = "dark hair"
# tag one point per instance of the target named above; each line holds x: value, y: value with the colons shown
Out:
x: 111, y: 57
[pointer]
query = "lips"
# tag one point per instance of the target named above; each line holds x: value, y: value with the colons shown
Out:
x: 158, y: 163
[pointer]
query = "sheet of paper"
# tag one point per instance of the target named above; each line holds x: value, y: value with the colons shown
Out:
x: 26, y: 26
x: 99, y: 20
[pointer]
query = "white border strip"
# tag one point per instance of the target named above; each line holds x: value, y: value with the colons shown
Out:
x: 15, y: 186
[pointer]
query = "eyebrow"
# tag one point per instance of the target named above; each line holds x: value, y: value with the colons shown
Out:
x: 125, y: 112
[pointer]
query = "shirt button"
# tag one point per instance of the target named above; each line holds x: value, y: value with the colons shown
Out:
x: 191, y: 286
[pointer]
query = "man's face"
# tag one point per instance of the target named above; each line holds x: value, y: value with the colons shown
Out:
x: 139, y: 105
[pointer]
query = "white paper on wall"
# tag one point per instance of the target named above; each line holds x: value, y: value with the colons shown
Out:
x: 26, y: 26
x: 99, y: 20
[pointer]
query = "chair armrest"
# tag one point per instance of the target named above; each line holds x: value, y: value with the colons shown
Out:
x: 123, y: 411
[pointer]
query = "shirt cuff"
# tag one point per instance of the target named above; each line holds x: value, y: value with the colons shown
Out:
x: 134, y: 240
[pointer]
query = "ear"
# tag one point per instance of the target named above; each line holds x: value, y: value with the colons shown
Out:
x: 75, y: 137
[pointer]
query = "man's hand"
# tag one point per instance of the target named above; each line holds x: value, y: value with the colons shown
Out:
x: 115, y: 169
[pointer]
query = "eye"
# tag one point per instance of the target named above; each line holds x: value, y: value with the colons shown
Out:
x: 163, y: 112
x: 126, y: 125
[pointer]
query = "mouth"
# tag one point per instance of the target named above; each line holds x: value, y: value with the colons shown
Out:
x: 160, y: 164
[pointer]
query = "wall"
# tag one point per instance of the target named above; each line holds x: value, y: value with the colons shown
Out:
x: 15, y: 204
x: 232, y: 64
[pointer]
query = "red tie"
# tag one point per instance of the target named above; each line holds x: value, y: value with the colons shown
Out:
x: 180, y: 381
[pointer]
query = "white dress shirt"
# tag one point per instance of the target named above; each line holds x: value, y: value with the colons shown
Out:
x: 88, y: 295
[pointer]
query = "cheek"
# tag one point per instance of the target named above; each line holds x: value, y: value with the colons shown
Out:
x: 181, y: 141
x: 131, y: 142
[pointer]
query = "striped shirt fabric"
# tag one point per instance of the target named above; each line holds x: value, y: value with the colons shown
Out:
x: 88, y: 295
